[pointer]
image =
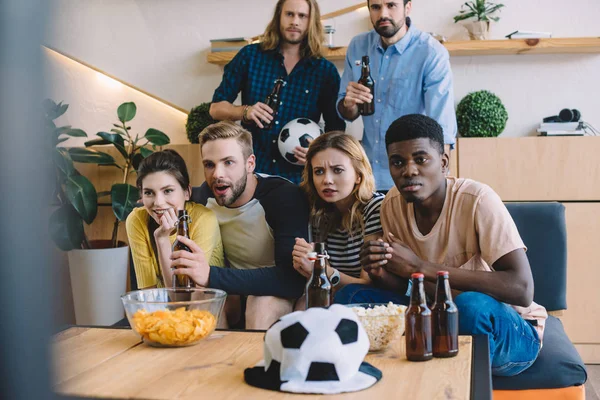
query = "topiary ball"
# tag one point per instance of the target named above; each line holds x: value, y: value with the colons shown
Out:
x: 198, y: 119
x: 481, y: 114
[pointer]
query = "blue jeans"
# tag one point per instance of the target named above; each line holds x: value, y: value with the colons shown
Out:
x: 357, y: 293
x: 514, y: 342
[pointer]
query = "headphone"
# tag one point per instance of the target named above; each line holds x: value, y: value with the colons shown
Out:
x: 565, y: 115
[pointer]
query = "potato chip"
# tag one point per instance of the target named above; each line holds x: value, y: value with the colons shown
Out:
x: 174, y: 328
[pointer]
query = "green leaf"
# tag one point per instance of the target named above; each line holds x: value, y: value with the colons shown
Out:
x: 119, y: 131
x: 124, y: 197
x: 116, y: 140
x: 136, y: 160
x: 103, y: 194
x: 54, y: 110
x: 66, y: 228
x: 145, y: 152
x: 75, y: 133
x: 156, y: 137
x: 96, y: 142
x: 83, y: 197
x: 60, y: 130
x: 63, y: 161
x: 58, y: 141
x: 91, y: 156
x: 126, y: 112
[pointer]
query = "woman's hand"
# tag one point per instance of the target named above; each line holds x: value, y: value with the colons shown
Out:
x: 192, y: 264
x: 300, y: 256
x: 167, y: 224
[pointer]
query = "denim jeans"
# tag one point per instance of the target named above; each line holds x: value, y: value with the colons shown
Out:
x: 514, y: 342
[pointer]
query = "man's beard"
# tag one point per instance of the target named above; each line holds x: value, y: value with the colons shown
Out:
x: 237, y: 189
x: 388, y: 31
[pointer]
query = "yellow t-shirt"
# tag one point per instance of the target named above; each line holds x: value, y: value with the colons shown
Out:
x: 204, y: 230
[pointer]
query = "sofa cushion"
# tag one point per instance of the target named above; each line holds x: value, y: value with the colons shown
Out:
x: 543, y: 230
x: 557, y: 366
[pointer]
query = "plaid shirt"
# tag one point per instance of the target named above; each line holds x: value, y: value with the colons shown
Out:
x: 311, y: 90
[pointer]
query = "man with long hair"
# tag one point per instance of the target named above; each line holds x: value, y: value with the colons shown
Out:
x: 412, y: 74
x: 291, y: 49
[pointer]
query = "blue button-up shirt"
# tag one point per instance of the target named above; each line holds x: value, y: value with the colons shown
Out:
x: 412, y: 76
x: 311, y: 90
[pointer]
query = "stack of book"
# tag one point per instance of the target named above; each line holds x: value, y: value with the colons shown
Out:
x: 229, y: 44
x: 561, y: 129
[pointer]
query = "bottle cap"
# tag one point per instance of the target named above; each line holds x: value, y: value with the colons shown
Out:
x: 417, y: 275
x: 312, y: 255
x: 442, y: 273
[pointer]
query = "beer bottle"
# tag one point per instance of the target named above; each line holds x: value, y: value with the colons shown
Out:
x: 366, y: 80
x: 318, y: 287
x: 444, y: 315
x: 418, y: 323
x: 182, y: 281
x: 273, y: 100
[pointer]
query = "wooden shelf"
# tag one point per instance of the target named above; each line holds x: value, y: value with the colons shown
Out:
x: 477, y: 48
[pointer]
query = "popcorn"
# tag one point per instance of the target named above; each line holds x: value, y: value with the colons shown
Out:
x: 383, y: 323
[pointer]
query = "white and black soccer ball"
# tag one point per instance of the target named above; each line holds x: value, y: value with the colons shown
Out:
x: 297, y: 132
x: 318, y: 351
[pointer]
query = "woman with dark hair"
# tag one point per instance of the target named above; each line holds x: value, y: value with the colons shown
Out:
x: 164, y: 186
x: 339, y: 183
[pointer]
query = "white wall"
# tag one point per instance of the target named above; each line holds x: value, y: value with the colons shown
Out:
x: 161, y: 47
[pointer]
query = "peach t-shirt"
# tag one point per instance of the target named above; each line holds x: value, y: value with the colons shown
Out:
x: 472, y: 232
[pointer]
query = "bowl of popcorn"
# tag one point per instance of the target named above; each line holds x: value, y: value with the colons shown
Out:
x: 383, y: 323
x: 168, y: 317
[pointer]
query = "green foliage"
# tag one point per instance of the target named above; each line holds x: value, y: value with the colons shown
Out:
x: 75, y: 193
x: 481, y: 114
x: 198, y: 119
x: 481, y: 10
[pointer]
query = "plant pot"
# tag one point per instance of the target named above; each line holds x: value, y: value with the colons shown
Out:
x: 98, y: 279
x: 478, y: 30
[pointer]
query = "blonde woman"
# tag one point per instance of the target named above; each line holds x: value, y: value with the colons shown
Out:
x: 339, y: 183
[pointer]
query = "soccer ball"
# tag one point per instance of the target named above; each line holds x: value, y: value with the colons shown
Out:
x: 297, y: 132
x: 316, y: 345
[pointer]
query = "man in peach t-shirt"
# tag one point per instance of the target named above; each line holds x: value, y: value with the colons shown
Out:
x: 432, y: 223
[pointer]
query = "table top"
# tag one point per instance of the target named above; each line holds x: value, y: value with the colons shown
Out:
x: 114, y: 363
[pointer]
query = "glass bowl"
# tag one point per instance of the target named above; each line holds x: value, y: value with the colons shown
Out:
x: 383, y: 323
x: 168, y: 317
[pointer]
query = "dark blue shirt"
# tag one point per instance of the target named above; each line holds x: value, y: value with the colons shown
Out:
x: 311, y: 90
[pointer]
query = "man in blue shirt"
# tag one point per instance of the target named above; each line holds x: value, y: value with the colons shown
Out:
x: 412, y: 75
x: 291, y: 49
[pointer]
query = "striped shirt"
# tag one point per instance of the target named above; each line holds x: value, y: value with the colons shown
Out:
x: 344, y: 248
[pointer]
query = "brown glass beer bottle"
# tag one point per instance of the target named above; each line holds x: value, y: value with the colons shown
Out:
x: 182, y: 281
x: 273, y: 100
x: 418, y: 323
x: 444, y: 317
x: 367, y: 80
x: 318, y: 287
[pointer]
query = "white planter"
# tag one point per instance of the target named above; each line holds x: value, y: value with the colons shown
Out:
x: 478, y: 30
x: 98, y: 279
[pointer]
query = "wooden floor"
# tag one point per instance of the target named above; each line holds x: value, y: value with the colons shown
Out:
x: 592, y: 386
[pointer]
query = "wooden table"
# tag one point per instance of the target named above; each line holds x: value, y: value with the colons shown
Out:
x: 114, y: 363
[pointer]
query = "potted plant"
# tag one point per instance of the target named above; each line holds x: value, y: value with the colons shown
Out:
x: 481, y: 114
x: 480, y: 11
x: 98, y: 268
x: 198, y: 119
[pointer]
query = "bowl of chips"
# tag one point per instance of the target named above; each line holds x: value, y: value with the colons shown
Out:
x: 168, y: 317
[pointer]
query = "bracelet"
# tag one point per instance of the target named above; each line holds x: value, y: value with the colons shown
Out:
x: 245, y: 114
